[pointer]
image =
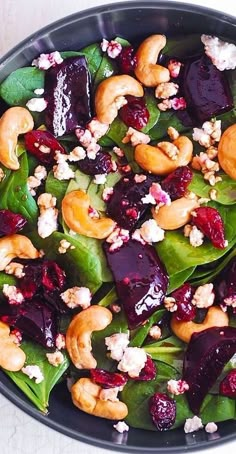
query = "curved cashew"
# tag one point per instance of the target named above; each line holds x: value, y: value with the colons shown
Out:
x: 11, y: 356
x: 15, y: 121
x: 85, y: 396
x: 147, y: 70
x: 78, y: 336
x: 154, y: 160
x: 110, y: 93
x: 184, y: 330
x: 13, y: 246
x: 175, y: 215
x: 75, y: 212
x: 227, y: 151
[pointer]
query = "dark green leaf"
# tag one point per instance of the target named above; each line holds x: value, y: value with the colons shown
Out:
x: 141, y: 333
x: 180, y: 46
x: 177, y: 279
x: 6, y: 279
x: 117, y: 132
x: 106, y: 69
x: 56, y: 187
x: 166, y: 119
x: 19, y: 86
x: 154, y: 112
x: 110, y: 298
x: 217, y: 409
x: 226, y: 189
x: 201, y: 278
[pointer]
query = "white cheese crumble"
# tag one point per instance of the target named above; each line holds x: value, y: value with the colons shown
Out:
x: 97, y: 128
x: 45, y: 61
x: 211, y: 427
x: 34, y: 181
x: 151, y: 232
x: 117, y: 238
x: 132, y: 361
x: 121, y: 427
x: 113, y: 48
x: 110, y: 394
x: 208, y: 134
x: 195, y: 235
x: 204, y: 296
x: 100, y: 178
x: 60, y: 341
x: 107, y: 193
x: 135, y: 137
x: 62, y: 171
x: 13, y: 294
x: 221, y: 53
x: 77, y: 297
x: 155, y: 332
x: 64, y: 246
x: 39, y: 91
x: 33, y: 372
x: 177, y: 387
x: 192, y: 424
x: 47, y: 220
x: 36, y: 104
x: 118, y: 151
x: 166, y: 89
x: 117, y: 344
x: 55, y: 358
x: 16, y: 269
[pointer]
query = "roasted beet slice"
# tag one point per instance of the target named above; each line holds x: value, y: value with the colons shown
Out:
x: 205, y: 358
x: 43, y: 145
x: 228, y: 385
x: 135, y: 113
x: 141, y: 279
x: 176, y: 183
x: 185, y: 309
x: 225, y: 284
x: 108, y: 379
x: 101, y: 164
x: 34, y: 318
x: 125, y: 205
x: 210, y: 222
x: 11, y: 222
x: 163, y: 411
x: 205, y: 89
x: 148, y: 372
x: 67, y: 91
x: 44, y: 275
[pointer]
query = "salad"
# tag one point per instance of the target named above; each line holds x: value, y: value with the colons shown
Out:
x: 117, y: 230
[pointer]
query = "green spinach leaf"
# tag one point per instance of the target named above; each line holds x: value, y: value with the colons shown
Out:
x: 19, y: 86
x: 166, y: 119
x: 138, y: 338
x: 56, y: 187
x: 179, y: 46
x: 226, y: 189
x: 177, y: 279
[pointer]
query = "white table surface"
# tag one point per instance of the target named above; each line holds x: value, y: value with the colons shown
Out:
x: 19, y: 433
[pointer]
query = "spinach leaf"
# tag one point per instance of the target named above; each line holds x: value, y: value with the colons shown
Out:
x: 106, y: 69
x: 177, y: 279
x: 15, y: 195
x: 169, y: 350
x: 202, y: 278
x: 38, y: 393
x: 110, y: 298
x: 217, y: 408
x: 122, y: 41
x: 19, y: 86
x: 166, y: 119
x: 6, y: 279
x: 179, y: 46
x: 154, y: 112
x: 141, y: 333
x: 226, y: 189
x: 116, y: 133
x: 55, y: 187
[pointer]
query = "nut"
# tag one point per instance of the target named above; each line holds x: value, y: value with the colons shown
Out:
x: 175, y: 215
x: 15, y: 121
x: 154, y: 160
x: 78, y: 336
x: 13, y: 246
x: 110, y: 93
x: 12, y: 358
x: 75, y: 212
x: 184, y: 330
x: 147, y: 70
x: 85, y: 396
x: 227, y: 151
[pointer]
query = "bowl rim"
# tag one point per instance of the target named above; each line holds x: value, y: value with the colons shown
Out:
x: 9, y: 55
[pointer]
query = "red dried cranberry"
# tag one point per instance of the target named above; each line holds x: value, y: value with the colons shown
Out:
x: 228, y: 385
x: 148, y: 372
x: 38, y: 274
x: 53, y: 277
x: 185, y: 309
x: 163, y: 411
x: 11, y: 222
x: 127, y: 60
x: 134, y: 113
x: 43, y: 145
x: 108, y: 379
x: 209, y: 221
x: 176, y: 183
x: 101, y: 164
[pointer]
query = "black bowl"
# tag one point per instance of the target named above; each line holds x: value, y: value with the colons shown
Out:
x: 131, y: 20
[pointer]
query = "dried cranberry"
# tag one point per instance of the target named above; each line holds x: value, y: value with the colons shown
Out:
x: 10, y: 222
x: 163, y: 411
x: 148, y: 372
x: 42, y: 276
x: 53, y: 277
x: 43, y: 145
x: 134, y: 113
x: 209, y: 221
x: 176, y: 183
x: 127, y: 60
x: 228, y: 385
x: 101, y: 164
x: 108, y: 379
x: 185, y: 309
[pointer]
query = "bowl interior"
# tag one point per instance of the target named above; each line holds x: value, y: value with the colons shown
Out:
x: 131, y: 20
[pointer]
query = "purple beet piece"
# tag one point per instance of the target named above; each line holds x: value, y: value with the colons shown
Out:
x: 225, y: 283
x: 141, y: 279
x: 162, y: 410
x: 185, y: 309
x: 101, y: 164
x: 176, y: 183
x: 11, y: 222
x: 205, y: 89
x: 125, y: 205
x: 205, y: 358
x: 67, y: 92
x: 34, y: 318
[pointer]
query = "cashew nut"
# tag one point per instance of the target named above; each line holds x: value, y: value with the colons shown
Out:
x: 147, y: 70
x: 11, y: 356
x: 175, y: 215
x: 227, y: 151
x: 184, y: 330
x: 13, y: 246
x: 110, y: 93
x: 15, y: 121
x: 75, y: 212
x: 154, y: 160
x: 85, y: 396
x: 78, y: 336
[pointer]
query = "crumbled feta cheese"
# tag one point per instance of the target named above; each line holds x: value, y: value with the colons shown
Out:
x: 155, y: 332
x: 110, y: 394
x: 64, y: 246
x: 60, y: 341
x: 13, y: 294
x: 36, y: 104
x: 16, y: 336
x: 100, y: 179
x: 166, y: 89
x: 40, y: 173
x: 39, y: 91
x: 177, y: 387
x: 104, y: 44
x: 45, y: 61
x: 84, y: 136
x: 47, y: 222
x: 139, y: 178
x: 192, y: 424
x: 77, y: 154
x: 136, y: 235
x: 118, y: 151
x: 55, y: 358
x: 204, y: 296
x: 132, y: 361
x: 92, y: 149
x: 77, y: 297
x: 46, y: 200
x: 121, y: 427
x: 62, y: 171
x: 16, y: 269
x: 178, y: 103
x: 97, y: 128
x: 107, y: 193
x: 211, y: 427
x: 195, y: 235
x: 208, y: 134
x: 34, y: 181
x: 151, y: 232
x: 161, y: 197
x: 33, y: 372
x: 114, y: 49
x: 135, y: 137
x: 230, y: 301
x: 148, y: 198
x: 117, y: 238
x: 221, y: 53
x: 164, y: 105
x: 174, y: 67
x: 117, y: 344
x: 170, y: 304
